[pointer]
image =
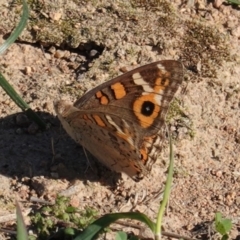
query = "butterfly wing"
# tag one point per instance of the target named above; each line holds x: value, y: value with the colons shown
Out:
x: 120, y: 121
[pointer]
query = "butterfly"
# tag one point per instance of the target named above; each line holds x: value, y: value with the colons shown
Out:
x: 121, y: 121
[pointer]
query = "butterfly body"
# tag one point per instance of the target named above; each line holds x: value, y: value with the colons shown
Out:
x: 120, y: 121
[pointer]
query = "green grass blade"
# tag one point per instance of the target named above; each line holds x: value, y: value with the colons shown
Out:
x: 121, y: 236
x: 166, y: 193
x: 21, y: 228
x: 12, y: 93
x: 3, y: 82
x: 22, y: 24
x: 20, y: 102
x: 237, y: 2
x: 96, y: 227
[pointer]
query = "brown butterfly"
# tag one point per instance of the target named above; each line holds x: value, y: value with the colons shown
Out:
x: 120, y: 121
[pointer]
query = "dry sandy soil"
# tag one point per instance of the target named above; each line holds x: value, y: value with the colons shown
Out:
x: 72, y: 46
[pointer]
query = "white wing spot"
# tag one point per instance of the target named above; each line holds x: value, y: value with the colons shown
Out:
x: 161, y: 68
x: 119, y: 130
x: 158, y: 97
x: 113, y: 124
x: 137, y: 78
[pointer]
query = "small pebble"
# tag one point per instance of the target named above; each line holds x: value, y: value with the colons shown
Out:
x: 19, y: 131
x: 33, y: 128
x: 217, y: 3
x: 93, y: 53
x: 28, y: 70
x: 22, y: 120
x: 59, y: 54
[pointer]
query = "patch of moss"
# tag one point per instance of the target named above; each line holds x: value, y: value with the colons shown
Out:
x: 71, y: 35
x: 174, y: 110
x: 49, y: 219
x: 71, y: 91
x: 152, y: 4
x: 204, y: 48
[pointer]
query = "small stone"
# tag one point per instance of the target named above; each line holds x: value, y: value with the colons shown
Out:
x: 230, y: 197
x: 33, y: 128
x: 48, y: 56
x: 67, y: 54
x: 219, y: 173
x: 22, y: 120
x: 77, y: 25
x: 123, y: 69
x: 52, y: 50
x: 234, y: 233
x: 28, y: 70
x: 54, y: 175
x: 74, y: 202
x: 36, y: 28
x: 72, y: 58
x: 217, y: 3
x: 55, y: 16
x: 59, y: 54
x: 220, y: 197
x: 19, y: 131
x: 93, y: 53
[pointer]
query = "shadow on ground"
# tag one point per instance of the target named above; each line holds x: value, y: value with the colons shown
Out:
x: 50, y: 153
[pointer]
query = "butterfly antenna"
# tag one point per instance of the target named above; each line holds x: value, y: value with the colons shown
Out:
x: 53, y: 150
x: 89, y: 164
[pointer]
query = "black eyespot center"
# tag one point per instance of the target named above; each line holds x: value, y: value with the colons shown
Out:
x: 147, y: 108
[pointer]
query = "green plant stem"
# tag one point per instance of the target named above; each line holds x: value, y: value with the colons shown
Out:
x: 165, y: 195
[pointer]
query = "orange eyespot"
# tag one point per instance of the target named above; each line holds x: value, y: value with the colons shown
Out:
x: 146, y: 110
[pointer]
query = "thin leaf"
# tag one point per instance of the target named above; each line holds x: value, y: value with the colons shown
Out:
x: 234, y: 2
x: 20, y: 102
x: 22, y: 24
x: 12, y: 93
x: 21, y: 228
x: 4, y: 83
x: 121, y: 236
x: 96, y: 227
